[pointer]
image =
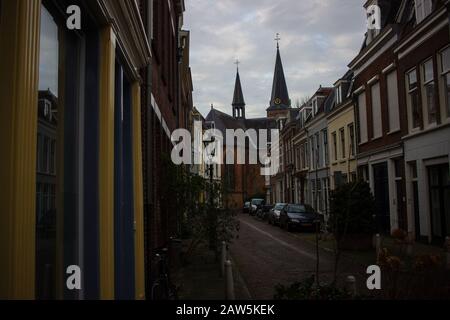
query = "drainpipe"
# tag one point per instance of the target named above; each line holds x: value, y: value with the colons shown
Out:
x: 149, y: 145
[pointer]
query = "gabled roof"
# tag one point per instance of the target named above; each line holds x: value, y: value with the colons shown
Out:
x: 223, y: 121
x: 280, y: 95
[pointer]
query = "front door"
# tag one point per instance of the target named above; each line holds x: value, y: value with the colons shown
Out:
x: 439, y: 181
x: 381, y: 188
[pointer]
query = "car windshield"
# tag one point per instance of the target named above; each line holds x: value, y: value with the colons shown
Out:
x: 257, y: 202
x: 280, y: 206
x: 247, y: 204
x: 296, y: 209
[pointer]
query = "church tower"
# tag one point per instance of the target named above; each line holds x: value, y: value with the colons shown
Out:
x: 279, y: 102
x: 238, y: 98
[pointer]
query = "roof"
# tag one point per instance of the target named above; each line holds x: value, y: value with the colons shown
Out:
x: 280, y: 95
x: 223, y: 121
x: 238, y: 97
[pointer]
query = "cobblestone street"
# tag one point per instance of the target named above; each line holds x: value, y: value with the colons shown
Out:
x: 266, y: 256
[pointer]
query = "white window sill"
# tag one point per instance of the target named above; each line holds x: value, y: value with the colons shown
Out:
x: 376, y: 138
x: 393, y: 132
x: 363, y: 143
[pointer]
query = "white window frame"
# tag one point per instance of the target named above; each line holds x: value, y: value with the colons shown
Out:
x: 409, y: 91
x: 443, y: 95
x: 423, y: 9
x: 375, y: 117
x: 393, y: 127
x: 363, y: 126
x: 342, y: 142
x: 424, y: 83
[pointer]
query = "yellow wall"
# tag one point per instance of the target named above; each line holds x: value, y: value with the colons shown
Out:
x: 342, y: 119
x: 19, y: 63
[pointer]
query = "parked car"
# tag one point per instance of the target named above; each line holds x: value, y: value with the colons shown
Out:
x: 246, y: 208
x: 273, y: 217
x: 299, y: 216
x: 263, y: 212
x: 256, y: 204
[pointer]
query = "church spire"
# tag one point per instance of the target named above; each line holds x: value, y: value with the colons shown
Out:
x: 238, y: 98
x: 280, y: 95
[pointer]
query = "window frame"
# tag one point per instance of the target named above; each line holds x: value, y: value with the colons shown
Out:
x: 335, y: 146
x: 410, y: 90
x: 351, y: 136
x: 424, y: 90
x: 421, y: 7
x: 342, y: 142
x: 444, y: 86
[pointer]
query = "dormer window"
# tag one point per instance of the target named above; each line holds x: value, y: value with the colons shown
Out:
x: 339, y: 97
x: 373, y: 21
x: 423, y: 9
x: 315, y: 106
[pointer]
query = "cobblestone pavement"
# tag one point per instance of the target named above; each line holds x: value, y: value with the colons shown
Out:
x: 265, y: 256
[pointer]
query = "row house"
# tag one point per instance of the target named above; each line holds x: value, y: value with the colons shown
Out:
x: 386, y: 121
x: 380, y: 150
x: 167, y: 106
x: 310, y: 173
x: 423, y: 59
x: 342, y: 134
x: 400, y: 92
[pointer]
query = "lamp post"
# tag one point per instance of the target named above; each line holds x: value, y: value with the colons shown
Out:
x: 211, y: 214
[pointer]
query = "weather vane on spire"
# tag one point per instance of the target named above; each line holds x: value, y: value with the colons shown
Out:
x: 277, y: 39
x: 237, y: 63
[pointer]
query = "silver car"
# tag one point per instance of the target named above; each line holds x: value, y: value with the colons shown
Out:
x: 274, y: 214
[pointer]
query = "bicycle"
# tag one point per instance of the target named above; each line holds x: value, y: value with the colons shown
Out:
x: 162, y: 288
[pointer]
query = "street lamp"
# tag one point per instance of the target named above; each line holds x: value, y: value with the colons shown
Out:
x: 211, y: 214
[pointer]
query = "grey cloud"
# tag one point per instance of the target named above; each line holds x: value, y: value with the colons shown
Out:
x: 319, y: 38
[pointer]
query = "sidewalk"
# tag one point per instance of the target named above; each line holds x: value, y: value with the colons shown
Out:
x: 200, y: 279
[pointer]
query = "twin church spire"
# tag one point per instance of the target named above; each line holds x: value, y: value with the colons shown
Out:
x: 280, y: 96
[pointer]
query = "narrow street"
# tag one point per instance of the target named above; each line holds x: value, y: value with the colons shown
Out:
x: 265, y: 256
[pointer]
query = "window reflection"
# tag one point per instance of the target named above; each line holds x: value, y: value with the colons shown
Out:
x: 49, y: 58
x: 46, y: 158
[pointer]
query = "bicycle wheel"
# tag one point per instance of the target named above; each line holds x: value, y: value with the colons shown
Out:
x: 159, y: 292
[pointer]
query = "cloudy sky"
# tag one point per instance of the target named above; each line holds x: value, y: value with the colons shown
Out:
x: 319, y: 38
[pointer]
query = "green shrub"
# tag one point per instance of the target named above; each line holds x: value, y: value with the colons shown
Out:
x: 352, y: 210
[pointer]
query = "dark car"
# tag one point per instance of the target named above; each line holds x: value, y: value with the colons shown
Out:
x: 256, y: 204
x: 246, y: 208
x: 263, y: 212
x: 274, y: 215
x: 299, y: 216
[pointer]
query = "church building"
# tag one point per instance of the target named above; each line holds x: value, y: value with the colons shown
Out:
x: 244, y: 181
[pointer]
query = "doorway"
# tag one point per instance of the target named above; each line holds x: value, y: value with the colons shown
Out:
x: 381, y: 190
x: 439, y: 182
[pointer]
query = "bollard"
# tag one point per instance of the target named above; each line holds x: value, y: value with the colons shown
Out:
x: 223, y: 258
x: 229, y: 281
x: 447, y: 249
x: 377, y: 245
x: 351, y: 285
